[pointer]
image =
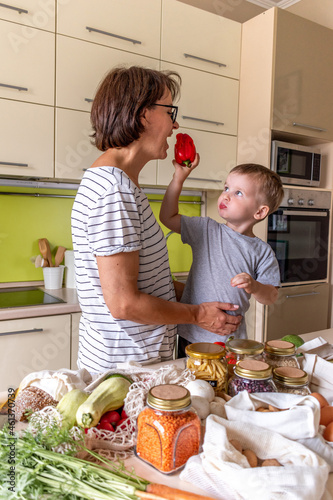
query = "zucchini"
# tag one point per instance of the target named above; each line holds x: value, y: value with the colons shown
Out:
x: 107, y: 396
x: 68, y: 406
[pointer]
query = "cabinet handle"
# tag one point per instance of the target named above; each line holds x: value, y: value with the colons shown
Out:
x: 18, y: 9
x: 87, y: 99
x: 206, y: 60
x: 32, y: 330
x: 203, y: 179
x: 319, y: 129
x: 201, y: 120
x: 302, y: 295
x: 15, y: 87
x: 14, y: 164
x: 305, y: 213
x: 113, y: 34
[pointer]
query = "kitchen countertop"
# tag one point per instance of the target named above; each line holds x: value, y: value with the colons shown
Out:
x: 69, y: 295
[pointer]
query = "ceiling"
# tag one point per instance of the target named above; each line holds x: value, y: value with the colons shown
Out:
x: 319, y: 11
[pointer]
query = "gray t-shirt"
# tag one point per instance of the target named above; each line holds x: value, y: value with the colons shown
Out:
x: 219, y: 253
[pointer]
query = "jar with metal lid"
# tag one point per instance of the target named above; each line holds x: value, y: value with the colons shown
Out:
x: 291, y: 380
x: 206, y: 360
x: 280, y: 353
x: 238, y: 349
x: 168, y: 428
x: 251, y: 375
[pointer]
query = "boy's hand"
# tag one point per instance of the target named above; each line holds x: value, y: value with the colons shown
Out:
x: 182, y: 171
x: 245, y: 281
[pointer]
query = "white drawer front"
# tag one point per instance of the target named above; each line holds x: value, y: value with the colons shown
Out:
x: 199, y: 39
x: 26, y: 139
x: 31, y: 345
x: 130, y: 25
x: 36, y: 13
x: 82, y: 65
x: 27, y: 64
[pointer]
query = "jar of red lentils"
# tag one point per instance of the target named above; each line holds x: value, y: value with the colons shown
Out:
x: 168, y: 429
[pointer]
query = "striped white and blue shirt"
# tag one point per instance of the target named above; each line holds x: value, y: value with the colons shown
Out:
x: 111, y: 215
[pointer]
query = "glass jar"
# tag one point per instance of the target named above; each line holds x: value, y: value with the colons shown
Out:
x: 251, y: 375
x: 168, y: 428
x: 238, y: 349
x: 206, y: 361
x: 280, y: 353
x: 291, y: 380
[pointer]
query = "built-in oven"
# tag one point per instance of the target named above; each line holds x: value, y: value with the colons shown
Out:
x: 299, y: 233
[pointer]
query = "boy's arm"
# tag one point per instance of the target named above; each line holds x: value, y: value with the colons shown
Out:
x: 265, y: 294
x: 169, y: 213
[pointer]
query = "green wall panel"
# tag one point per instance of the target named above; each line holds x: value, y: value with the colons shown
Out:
x: 26, y: 219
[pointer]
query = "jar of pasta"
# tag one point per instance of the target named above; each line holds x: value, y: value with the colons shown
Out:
x: 251, y: 375
x: 206, y: 360
x: 168, y: 428
x: 238, y: 349
x: 291, y: 380
x: 280, y: 353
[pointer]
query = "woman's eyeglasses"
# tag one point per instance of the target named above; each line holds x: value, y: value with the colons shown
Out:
x: 174, y: 110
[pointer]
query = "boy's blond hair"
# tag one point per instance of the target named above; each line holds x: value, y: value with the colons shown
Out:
x: 270, y: 184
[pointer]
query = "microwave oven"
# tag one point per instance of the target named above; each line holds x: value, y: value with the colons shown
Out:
x: 296, y: 165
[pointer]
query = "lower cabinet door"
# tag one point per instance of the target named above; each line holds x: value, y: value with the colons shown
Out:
x: 31, y: 345
x: 75, y: 340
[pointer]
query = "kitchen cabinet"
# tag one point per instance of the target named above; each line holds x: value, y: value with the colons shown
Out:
x: 26, y: 139
x: 75, y: 56
x: 128, y: 25
x: 286, y: 316
x: 208, y: 102
x: 27, y: 65
x: 199, y: 39
x: 34, y: 13
x: 33, y: 344
x: 286, y: 81
x: 75, y: 318
x: 217, y: 157
x: 74, y: 152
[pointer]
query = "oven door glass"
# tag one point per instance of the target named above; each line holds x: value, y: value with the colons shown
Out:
x: 299, y: 239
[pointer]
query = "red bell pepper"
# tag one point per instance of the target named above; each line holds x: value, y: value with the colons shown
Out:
x: 184, y: 150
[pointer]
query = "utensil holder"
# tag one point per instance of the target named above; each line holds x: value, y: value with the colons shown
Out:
x: 53, y: 277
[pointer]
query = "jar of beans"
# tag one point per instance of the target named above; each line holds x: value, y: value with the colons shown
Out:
x: 168, y: 428
x: 251, y: 375
x: 291, y: 380
x: 280, y: 353
x: 238, y: 349
x: 206, y: 360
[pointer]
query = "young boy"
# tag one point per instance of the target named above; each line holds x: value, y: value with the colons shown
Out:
x: 229, y: 262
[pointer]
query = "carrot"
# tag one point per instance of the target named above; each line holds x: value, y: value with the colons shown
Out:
x: 173, y: 493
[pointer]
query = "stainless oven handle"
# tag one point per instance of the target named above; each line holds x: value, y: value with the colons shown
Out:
x: 301, y: 295
x: 33, y: 330
x: 305, y: 213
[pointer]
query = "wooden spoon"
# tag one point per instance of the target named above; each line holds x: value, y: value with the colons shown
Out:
x: 45, y: 250
x: 59, y: 256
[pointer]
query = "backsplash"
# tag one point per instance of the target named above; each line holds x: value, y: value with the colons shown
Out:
x: 25, y: 219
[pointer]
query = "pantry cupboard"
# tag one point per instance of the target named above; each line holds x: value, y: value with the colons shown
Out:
x: 89, y: 39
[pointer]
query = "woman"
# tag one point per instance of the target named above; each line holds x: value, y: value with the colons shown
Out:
x: 125, y: 290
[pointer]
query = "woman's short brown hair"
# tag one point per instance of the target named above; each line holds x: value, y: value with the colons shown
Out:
x: 121, y: 99
x: 271, y: 189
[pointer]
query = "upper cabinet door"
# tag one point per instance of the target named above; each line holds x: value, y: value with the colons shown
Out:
x: 199, y: 39
x: 84, y: 65
x: 129, y: 25
x: 36, y: 13
x: 303, y: 97
x: 27, y: 64
x: 208, y: 102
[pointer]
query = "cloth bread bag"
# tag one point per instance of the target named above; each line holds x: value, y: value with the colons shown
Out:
x: 224, y: 473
